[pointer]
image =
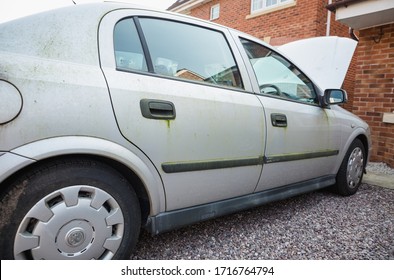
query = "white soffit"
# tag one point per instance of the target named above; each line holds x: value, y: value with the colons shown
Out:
x: 366, y: 14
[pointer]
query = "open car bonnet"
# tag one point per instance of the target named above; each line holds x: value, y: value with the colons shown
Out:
x: 324, y: 59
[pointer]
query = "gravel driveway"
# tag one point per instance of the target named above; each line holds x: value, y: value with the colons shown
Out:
x: 318, y: 225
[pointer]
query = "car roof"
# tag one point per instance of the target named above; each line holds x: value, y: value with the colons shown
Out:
x: 67, y: 34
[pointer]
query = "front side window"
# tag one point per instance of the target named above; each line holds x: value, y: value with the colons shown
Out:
x: 278, y: 77
x: 190, y: 52
x: 258, y: 5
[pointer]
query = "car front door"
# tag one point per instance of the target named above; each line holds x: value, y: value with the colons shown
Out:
x: 303, y: 139
x: 179, y: 96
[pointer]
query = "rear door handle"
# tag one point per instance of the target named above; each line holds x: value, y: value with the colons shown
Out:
x: 157, y: 109
x: 279, y: 120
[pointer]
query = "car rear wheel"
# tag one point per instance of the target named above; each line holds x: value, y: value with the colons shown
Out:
x: 351, y: 172
x: 79, y: 209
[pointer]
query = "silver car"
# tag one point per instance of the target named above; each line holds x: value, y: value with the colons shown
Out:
x: 114, y: 117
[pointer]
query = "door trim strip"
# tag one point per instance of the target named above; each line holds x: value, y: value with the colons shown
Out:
x: 300, y: 156
x: 188, y: 166
x: 176, y: 167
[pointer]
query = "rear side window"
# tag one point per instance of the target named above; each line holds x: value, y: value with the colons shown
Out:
x: 129, y: 54
x: 176, y: 50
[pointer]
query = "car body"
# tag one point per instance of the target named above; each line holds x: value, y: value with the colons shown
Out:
x: 115, y: 117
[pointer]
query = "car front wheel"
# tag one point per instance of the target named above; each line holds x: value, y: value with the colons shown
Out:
x: 79, y: 209
x: 351, y: 172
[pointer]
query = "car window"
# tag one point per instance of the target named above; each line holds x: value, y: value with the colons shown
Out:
x: 129, y: 53
x: 277, y: 76
x: 177, y: 50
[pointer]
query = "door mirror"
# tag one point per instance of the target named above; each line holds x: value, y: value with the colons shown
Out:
x: 334, y: 96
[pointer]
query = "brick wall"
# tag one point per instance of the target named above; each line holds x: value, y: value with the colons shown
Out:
x: 374, y: 88
x: 341, y: 30
x: 304, y: 20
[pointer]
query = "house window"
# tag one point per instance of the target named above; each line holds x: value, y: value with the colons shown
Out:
x: 215, y: 12
x: 259, y: 5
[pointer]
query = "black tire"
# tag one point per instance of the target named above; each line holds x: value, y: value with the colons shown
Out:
x: 351, y: 172
x: 74, y: 209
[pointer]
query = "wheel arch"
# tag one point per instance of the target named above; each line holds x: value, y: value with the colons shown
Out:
x: 137, y: 169
x: 363, y: 136
x: 364, y: 139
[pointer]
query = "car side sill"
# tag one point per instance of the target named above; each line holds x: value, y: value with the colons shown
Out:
x: 174, y: 219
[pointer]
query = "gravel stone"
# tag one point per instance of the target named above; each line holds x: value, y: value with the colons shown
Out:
x: 379, y: 168
x: 318, y: 225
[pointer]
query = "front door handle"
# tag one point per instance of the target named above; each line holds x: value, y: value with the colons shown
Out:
x: 157, y: 109
x: 279, y: 120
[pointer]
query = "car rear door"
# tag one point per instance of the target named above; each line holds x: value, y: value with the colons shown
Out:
x: 180, y: 96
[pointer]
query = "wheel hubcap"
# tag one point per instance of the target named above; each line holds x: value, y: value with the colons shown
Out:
x: 75, y: 237
x: 77, y: 222
x: 355, y: 168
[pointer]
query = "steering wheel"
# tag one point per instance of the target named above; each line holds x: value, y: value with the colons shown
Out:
x: 277, y: 90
